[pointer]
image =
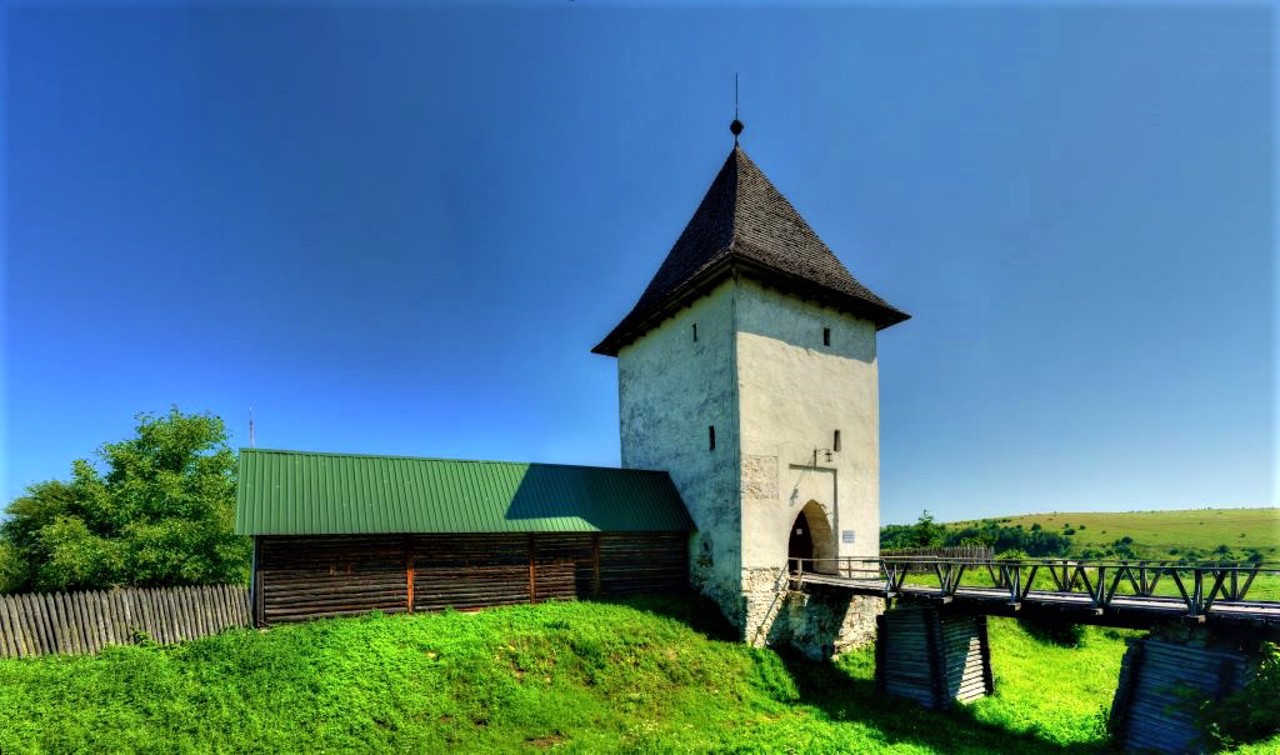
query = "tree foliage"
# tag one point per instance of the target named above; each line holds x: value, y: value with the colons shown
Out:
x: 926, y: 533
x: 158, y: 510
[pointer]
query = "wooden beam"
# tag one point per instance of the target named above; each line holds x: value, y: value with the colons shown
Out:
x: 408, y: 570
x: 984, y: 646
x: 934, y: 649
x: 595, y: 564
x: 259, y: 599
x: 533, y: 569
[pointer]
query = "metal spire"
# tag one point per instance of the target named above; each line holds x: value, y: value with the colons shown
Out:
x: 736, y: 127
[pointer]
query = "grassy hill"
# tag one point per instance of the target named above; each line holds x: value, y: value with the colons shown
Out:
x: 578, y: 677
x: 1164, y: 534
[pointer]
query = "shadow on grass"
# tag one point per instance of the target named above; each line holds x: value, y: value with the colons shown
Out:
x: 1051, y: 630
x: 694, y: 611
x: 842, y: 697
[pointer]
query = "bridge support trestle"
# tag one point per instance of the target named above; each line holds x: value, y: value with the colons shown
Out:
x: 933, y: 656
x: 1166, y: 677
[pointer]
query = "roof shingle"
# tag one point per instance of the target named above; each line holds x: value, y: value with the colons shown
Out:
x: 744, y: 225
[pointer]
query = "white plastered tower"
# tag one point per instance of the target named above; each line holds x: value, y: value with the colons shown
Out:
x: 747, y: 370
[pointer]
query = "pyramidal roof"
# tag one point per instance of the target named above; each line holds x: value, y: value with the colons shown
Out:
x: 744, y: 226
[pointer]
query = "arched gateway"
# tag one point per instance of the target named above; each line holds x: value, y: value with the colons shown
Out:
x: 812, y: 540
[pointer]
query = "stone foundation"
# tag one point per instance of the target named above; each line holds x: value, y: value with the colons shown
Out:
x: 818, y: 625
x: 822, y: 626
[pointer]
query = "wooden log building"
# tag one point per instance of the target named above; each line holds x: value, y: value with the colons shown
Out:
x: 339, y: 534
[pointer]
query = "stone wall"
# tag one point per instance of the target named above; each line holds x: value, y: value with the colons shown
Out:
x: 818, y: 625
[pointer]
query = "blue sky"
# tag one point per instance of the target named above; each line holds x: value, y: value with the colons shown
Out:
x: 401, y: 230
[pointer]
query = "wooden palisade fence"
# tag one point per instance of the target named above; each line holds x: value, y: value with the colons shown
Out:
x: 970, y: 552
x: 33, y: 624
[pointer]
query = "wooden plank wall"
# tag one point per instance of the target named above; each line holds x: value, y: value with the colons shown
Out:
x: 306, y: 578
x: 643, y: 562
x: 904, y: 650
x: 472, y: 571
x: 311, y: 577
x: 932, y: 657
x: 966, y: 657
x: 33, y: 624
x: 1161, y: 685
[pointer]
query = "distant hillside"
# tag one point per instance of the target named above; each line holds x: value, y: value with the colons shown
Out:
x: 1192, y: 533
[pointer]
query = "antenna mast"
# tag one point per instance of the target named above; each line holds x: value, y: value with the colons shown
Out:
x: 251, y: 444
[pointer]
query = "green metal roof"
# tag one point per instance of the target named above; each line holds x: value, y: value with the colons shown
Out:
x: 304, y: 493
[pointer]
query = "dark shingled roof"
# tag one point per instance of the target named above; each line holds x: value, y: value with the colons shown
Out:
x: 745, y: 226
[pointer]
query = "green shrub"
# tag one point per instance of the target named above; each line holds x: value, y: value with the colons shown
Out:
x: 1253, y: 713
x: 1012, y: 555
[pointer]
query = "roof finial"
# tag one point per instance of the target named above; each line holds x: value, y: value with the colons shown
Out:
x: 736, y: 126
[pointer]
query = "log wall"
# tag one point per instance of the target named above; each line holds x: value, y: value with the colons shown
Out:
x: 300, y: 578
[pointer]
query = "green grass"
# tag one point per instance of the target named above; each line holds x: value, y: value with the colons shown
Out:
x: 1156, y: 533
x: 647, y: 676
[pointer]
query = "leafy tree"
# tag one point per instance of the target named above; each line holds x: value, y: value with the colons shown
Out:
x: 11, y: 568
x: 894, y: 536
x: 925, y: 533
x: 160, y: 512
x: 929, y: 533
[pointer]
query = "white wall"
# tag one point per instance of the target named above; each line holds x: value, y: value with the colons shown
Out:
x: 794, y: 394
x: 670, y: 389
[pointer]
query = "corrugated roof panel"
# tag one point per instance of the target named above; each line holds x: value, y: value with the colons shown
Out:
x: 304, y: 493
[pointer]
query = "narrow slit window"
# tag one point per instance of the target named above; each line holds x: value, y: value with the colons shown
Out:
x: 826, y: 336
x: 711, y: 438
x: 835, y: 442
x: 695, y: 332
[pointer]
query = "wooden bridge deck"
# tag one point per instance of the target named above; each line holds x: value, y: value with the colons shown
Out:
x: 1083, y: 592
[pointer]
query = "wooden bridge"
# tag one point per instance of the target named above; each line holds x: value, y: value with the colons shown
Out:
x: 1137, y: 594
x: 1207, y: 622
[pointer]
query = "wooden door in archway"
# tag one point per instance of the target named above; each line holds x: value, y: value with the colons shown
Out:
x: 800, y: 544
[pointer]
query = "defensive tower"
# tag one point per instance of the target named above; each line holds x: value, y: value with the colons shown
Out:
x: 747, y: 369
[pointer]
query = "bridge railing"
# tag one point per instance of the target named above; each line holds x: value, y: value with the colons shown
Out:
x: 1199, y: 586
